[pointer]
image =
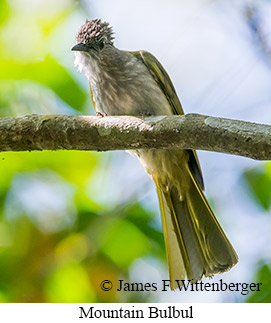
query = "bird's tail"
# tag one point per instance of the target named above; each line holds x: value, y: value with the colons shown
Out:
x: 195, y: 242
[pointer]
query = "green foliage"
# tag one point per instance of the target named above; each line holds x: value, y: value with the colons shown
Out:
x: 49, y: 73
x: 259, y: 183
x: 4, y: 11
x: 42, y: 258
x: 123, y: 235
x: 264, y: 295
x: 69, y: 283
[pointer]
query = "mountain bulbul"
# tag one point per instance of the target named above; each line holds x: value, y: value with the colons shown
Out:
x: 135, y: 83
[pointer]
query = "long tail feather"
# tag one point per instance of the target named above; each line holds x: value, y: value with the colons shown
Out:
x: 195, y: 242
x: 176, y: 261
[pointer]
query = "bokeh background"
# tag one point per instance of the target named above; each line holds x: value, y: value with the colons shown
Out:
x: 69, y: 220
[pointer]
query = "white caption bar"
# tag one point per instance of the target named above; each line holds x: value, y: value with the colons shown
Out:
x: 196, y: 312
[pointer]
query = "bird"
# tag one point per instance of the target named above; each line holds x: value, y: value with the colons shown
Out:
x: 135, y: 83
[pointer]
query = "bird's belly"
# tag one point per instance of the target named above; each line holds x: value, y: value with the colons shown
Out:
x: 170, y: 166
x: 134, y: 97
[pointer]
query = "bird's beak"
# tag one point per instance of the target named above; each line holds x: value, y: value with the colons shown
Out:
x: 80, y: 48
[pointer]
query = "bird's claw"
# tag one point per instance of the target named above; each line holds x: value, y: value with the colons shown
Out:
x: 145, y: 114
x: 99, y: 114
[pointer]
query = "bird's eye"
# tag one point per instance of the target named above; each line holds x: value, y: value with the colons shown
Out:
x: 101, y: 45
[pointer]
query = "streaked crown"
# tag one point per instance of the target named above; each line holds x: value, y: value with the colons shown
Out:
x: 95, y: 31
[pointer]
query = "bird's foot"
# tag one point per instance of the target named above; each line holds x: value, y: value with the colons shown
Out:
x: 99, y: 114
x: 145, y: 114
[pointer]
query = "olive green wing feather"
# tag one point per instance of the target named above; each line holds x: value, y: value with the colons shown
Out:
x: 163, y: 80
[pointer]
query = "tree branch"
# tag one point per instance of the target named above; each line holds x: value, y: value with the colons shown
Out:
x: 190, y: 131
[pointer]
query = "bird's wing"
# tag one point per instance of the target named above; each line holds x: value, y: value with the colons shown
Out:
x: 163, y: 80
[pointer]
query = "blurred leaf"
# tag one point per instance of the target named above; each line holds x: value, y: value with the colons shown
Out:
x: 259, y: 183
x: 4, y: 11
x: 124, y: 242
x: 24, y: 263
x: 73, y: 248
x: 70, y: 283
x: 49, y: 73
x: 264, y: 295
x: 5, y: 235
x: 143, y: 220
x: 99, y: 270
x: 75, y: 166
x: 3, y: 298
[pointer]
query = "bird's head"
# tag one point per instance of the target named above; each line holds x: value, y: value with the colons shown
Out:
x: 93, y: 36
